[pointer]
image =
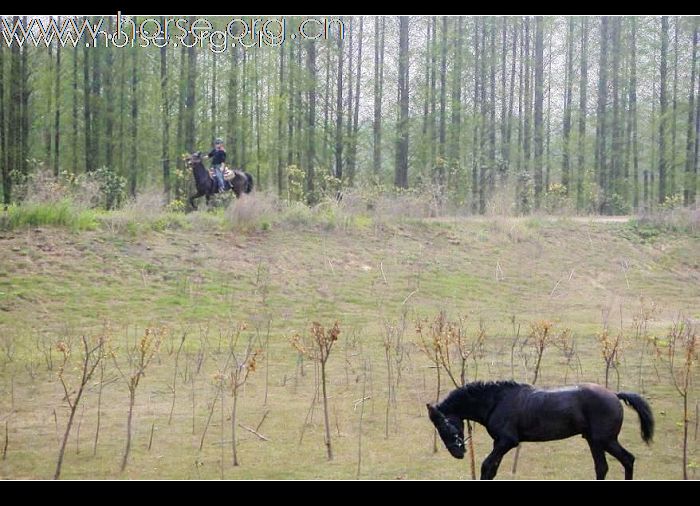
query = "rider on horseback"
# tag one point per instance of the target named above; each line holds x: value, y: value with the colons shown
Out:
x: 218, y: 156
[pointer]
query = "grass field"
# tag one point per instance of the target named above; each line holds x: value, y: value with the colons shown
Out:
x: 201, y: 274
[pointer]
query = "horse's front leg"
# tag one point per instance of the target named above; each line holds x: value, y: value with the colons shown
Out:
x: 489, y: 467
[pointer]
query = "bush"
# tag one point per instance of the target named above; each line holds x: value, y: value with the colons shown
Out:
x: 683, y: 220
x: 147, y: 211
x: 102, y: 188
x: 556, y: 199
x: 252, y: 212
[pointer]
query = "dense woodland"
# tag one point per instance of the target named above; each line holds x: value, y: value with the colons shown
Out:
x: 600, y: 112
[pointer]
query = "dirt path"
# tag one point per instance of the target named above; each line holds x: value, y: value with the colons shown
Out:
x: 577, y: 219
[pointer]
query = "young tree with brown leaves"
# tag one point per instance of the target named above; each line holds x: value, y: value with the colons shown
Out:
x: 317, y: 346
x: 93, y: 353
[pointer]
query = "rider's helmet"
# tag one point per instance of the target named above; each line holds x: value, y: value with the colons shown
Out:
x: 218, y: 141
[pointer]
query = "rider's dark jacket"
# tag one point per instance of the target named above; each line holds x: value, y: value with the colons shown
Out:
x: 218, y: 156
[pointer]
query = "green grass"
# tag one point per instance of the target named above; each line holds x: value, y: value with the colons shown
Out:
x: 199, y: 275
x: 62, y: 214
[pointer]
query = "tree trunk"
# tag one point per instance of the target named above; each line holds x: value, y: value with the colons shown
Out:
x: 539, y: 61
x: 492, y: 109
x: 109, y: 102
x: 674, y: 113
x: 600, y: 153
x: 49, y: 107
x: 122, y: 109
x: 348, y: 126
x: 311, y: 148
x: 484, y: 114
x: 616, y: 176
x: 378, y: 91
x: 689, y: 184
x: 454, y: 154
x: 583, y: 97
x: 13, y: 131
x: 190, y: 97
x: 212, y: 104
x: 24, y: 111
x: 165, y: 97
x: 290, y: 108
x: 566, y: 150
x: 232, y: 117
x: 57, y: 112
x: 74, y: 139
x: 6, y: 184
x: 133, y: 162
x: 180, y: 129
x: 339, y: 114
x: 96, y: 115
x: 548, y: 157
x: 425, y: 139
x: 401, y: 172
x: 432, y: 131
x: 527, y: 105
x: 280, y: 126
x: 87, y: 117
x: 504, y: 98
x: 356, y: 109
x: 663, y: 104
x: 443, y: 93
x: 511, y: 93
x: 475, y: 120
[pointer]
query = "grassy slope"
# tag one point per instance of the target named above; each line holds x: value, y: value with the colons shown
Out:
x: 55, y: 282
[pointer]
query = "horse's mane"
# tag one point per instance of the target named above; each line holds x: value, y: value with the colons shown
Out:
x: 201, y: 174
x: 479, y: 390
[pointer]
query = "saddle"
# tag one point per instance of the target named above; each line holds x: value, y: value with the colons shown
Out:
x: 229, y: 174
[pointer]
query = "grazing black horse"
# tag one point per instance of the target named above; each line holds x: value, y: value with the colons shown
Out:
x: 514, y: 412
x: 242, y: 181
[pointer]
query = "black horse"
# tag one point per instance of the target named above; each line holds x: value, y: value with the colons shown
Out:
x: 514, y: 412
x: 242, y: 181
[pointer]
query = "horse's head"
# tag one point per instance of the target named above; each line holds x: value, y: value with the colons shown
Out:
x: 451, y: 430
x: 192, y: 158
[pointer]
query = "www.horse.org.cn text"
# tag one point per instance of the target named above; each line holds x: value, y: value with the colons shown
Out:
x: 129, y: 31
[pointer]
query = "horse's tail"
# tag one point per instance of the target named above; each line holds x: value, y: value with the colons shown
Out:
x: 646, y: 418
x: 249, y: 183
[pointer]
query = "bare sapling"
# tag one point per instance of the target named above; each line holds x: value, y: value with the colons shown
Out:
x: 450, y: 347
x: 679, y: 351
x: 362, y: 412
x: 7, y: 440
x: 174, y: 385
x: 640, y: 323
x: 543, y: 335
x: 263, y: 280
x: 395, y: 352
x: 46, y: 346
x: 93, y: 353
x: 140, y: 355
x: 99, y: 408
x: 308, y: 420
x: 611, y: 347
x: 431, y: 347
x: 218, y: 380
x: 242, y: 364
x: 317, y: 346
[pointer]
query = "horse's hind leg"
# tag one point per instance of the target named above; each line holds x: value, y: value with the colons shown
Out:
x: 601, y: 465
x: 626, y: 458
